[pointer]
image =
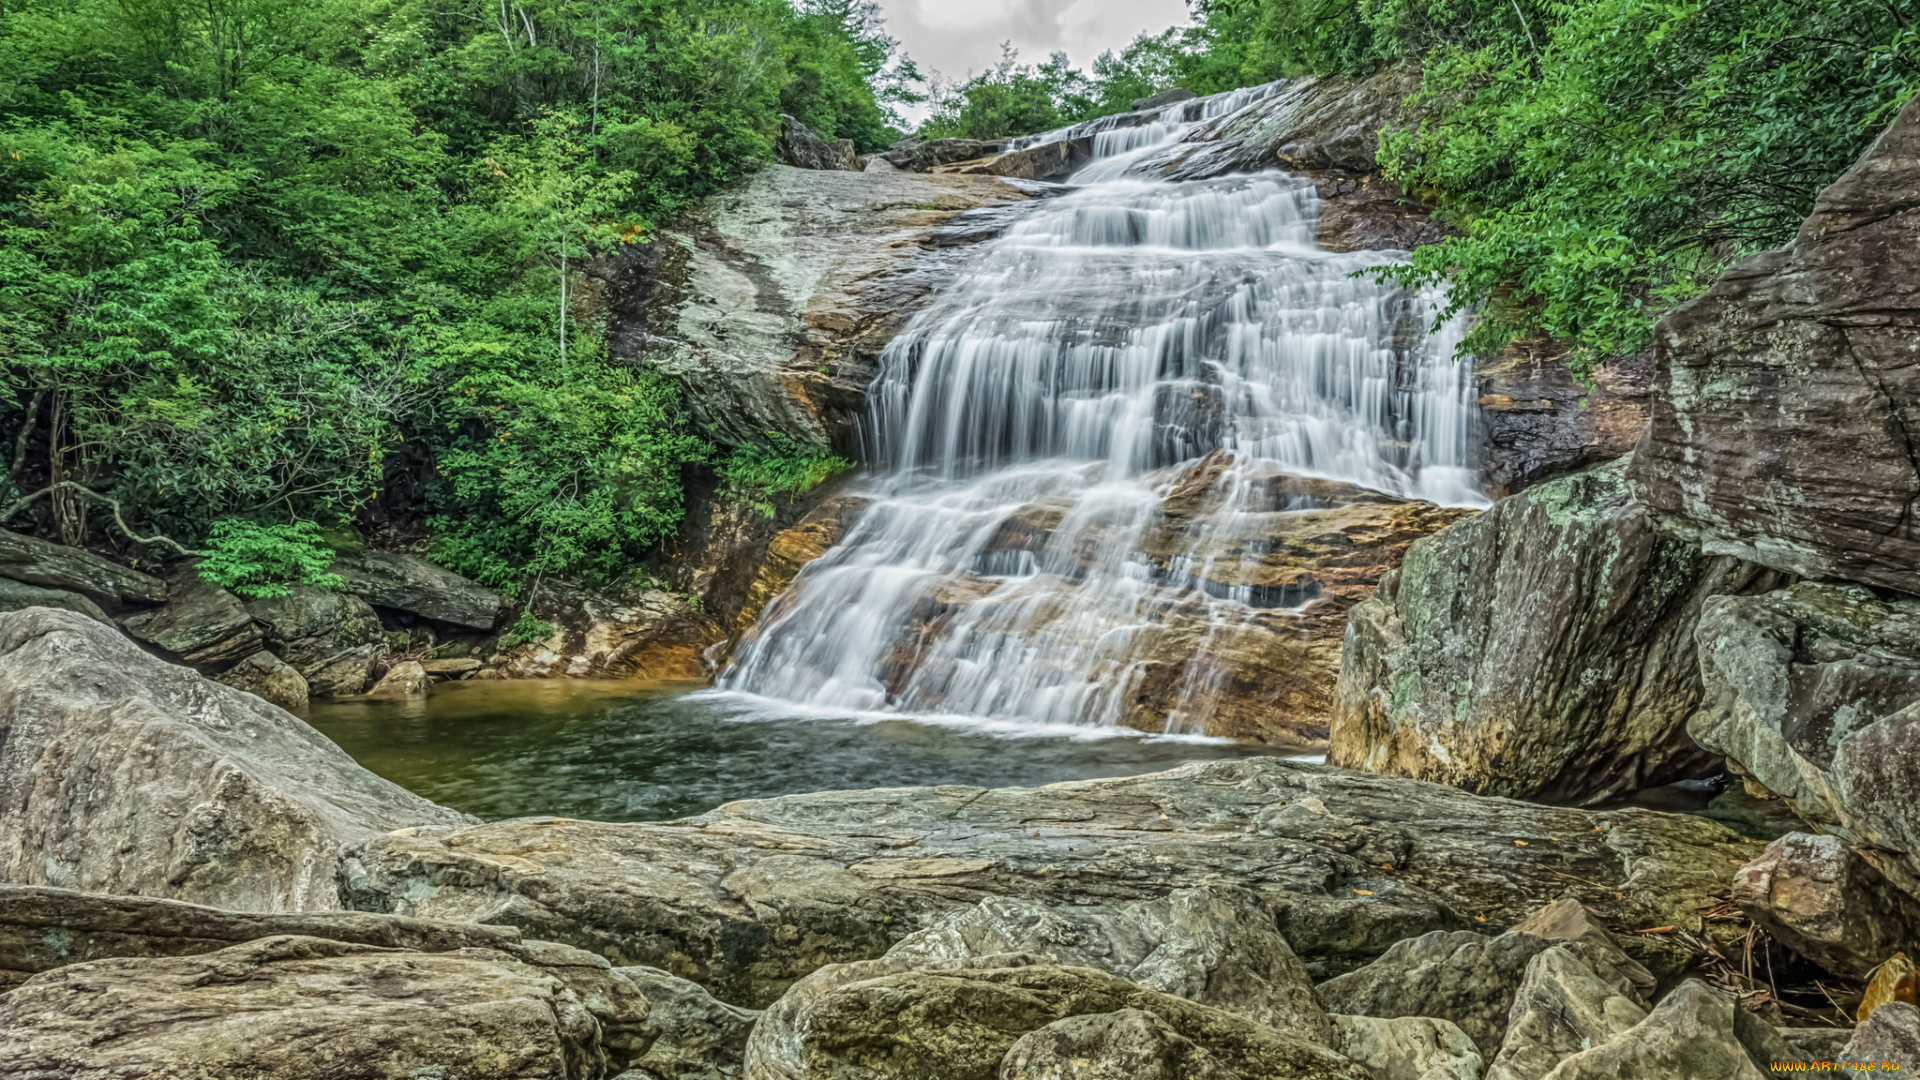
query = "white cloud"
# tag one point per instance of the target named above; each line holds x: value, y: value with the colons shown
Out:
x: 955, y: 37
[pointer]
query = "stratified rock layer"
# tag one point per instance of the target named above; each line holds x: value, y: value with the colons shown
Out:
x: 751, y: 896
x: 1787, y: 427
x: 122, y: 773
x: 1544, y: 648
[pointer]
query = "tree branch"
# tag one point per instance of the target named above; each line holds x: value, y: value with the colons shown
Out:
x: 25, y: 501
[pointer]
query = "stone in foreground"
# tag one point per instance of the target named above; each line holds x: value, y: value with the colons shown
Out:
x: 1565, y: 1005
x: 297, y: 1008
x: 751, y: 896
x: 1696, y: 1031
x: 1407, y: 1048
x: 122, y: 773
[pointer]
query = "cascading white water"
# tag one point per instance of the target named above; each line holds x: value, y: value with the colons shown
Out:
x: 1025, y: 428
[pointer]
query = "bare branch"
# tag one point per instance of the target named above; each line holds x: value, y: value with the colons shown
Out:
x: 25, y: 501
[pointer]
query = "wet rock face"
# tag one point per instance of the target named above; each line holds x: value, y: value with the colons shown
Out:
x: 1542, y: 649
x: 753, y: 895
x: 1813, y: 693
x: 1785, y: 429
x: 291, y: 1008
x: 204, y: 625
x: 1538, y: 423
x: 202, y: 793
x: 772, y: 302
x: 1818, y: 897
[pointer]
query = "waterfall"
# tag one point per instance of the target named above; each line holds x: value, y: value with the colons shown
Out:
x: 1077, y: 447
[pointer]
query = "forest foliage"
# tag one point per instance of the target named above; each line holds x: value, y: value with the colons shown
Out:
x: 279, y: 261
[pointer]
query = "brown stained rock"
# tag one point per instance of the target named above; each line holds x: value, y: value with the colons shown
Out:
x: 1048, y: 161
x: 791, y: 550
x: 450, y: 667
x: 699, y: 1037
x: 120, y: 772
x: 1788, y: 414
x: 772, y: 300
x: 620, y: 633
x: 268, y: 678
x: 960, y: 1025
x: 295, y: 1008
x: 1816, y: 896
x: 749, y: 897
x: 1542, y: 649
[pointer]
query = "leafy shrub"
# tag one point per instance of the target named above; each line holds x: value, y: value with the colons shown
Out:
x: 527, y: 629
x: 260, y: 561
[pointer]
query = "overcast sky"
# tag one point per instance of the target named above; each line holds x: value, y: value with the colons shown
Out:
x: 954, y: 37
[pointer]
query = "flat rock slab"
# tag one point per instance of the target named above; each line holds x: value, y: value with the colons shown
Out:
x: 751, y: 896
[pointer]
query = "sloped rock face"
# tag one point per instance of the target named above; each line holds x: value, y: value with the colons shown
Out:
x: 292, y: 1008
x: 18, y: 595
x: 122, y: 773
x: 772, y: 302
x: 1786, y: 427
x: 1694, y: 1031
x: 43, y: 928
x: 1542, y: 649
x: 1813, y: 693
x: 753, y: 895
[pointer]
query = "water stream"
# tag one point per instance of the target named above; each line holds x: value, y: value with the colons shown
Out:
x: 1016, y: 564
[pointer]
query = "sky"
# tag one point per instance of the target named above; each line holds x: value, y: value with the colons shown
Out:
x: 954, y: 37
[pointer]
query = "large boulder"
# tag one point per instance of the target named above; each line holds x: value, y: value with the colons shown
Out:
x: 1407, y: 1048
x: 698, y: 1037
x: 53, y: 566
x: 1785, y: 426
x: 16, y: 595
x: 924, y: 155
x: 1818, y: 897
x: 1542, y: 649
x: 749, y: 897
x: 202, y: 624
x: 411, y: 584
x: 1891, y: 1033
x: 294, y: 1008
x: 804, y: 148
x: 1813, y: 694
x: 1047, y: 161
x: 120, y: 772
x: 962, y: 1024
x: 771, y: 300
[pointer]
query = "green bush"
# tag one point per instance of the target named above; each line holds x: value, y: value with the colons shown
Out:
x: 259, y: 561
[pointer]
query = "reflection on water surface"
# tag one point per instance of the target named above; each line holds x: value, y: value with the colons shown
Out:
x: 622, y: 751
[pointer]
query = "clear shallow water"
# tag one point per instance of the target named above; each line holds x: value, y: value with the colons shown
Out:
x: 609, y: 751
